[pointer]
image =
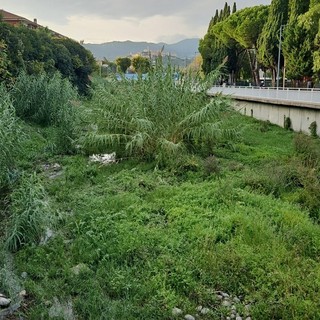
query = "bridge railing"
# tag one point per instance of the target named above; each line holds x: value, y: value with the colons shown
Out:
x: 309, y: 95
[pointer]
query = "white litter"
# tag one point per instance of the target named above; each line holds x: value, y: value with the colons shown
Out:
x: 104, y: 159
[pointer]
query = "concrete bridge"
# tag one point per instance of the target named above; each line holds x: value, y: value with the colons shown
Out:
x: 301, y: 105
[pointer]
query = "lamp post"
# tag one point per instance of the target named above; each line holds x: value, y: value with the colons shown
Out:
x: 279, y: 54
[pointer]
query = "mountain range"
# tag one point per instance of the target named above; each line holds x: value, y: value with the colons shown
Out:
x: 185, y: 49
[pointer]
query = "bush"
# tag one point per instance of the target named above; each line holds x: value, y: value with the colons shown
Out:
x: 10, y: 137
x: 157, y: 117
x: 313, y: 129
x: 30, y: 213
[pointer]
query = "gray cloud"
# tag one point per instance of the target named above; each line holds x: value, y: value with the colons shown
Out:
x: 195, y: 15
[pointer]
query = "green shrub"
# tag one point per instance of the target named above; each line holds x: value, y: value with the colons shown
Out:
x: 158, y: 117
x: 308, y: 149
x: 287, y: 123
x: 313, y: 129
x: 30, y: 213
x: 10, y: 137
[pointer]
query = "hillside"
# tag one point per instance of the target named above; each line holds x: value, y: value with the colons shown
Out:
x: 111, y: 50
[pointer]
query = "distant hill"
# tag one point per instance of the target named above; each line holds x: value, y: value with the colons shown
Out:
x: 185, y: 49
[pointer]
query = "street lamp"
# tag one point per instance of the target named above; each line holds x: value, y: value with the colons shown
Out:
x: 279, y: 54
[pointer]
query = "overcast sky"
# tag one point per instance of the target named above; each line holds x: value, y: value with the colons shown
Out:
x: 98, y: 21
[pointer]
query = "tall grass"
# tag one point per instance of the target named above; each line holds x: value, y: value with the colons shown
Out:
x: 157, y: 117
x: 48, y: 101
x: 30, y: 213
x: 10, y: 137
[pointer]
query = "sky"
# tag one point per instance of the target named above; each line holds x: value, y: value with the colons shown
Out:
x: 99, y: 21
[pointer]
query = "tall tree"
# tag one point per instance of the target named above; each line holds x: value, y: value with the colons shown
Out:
x: 213, y: 50
x: 296, y: 43
x: 242, y: 30
x: 123, y: 63
x: 140, y: 64
x: 268, y: 42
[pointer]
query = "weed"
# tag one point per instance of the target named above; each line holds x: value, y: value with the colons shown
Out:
x: 10, y: 138
x: 313, y: 129
x: 30, y: 213
x: 157, y: 117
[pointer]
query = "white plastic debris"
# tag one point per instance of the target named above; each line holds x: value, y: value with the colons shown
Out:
x: 104, y: 159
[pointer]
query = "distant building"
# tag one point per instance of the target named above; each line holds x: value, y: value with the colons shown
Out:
x: 16, y: 20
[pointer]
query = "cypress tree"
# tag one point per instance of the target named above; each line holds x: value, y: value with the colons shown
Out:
x: 268, y: 42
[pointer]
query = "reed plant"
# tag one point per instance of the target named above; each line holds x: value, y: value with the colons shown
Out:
x: 10, y: 137
x: 163, y: 116
x: 30, y: 213
x: 48, y: 100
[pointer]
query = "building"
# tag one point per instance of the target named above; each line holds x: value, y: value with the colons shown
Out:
x: 16, y: 20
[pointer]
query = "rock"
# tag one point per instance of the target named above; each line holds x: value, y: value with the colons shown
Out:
x: 238, y: 318
x: 226, y: 303
x: 225, y: 295
x: 232, y: 316
x: 199, y: 308
x: 189, y: 317
x: 47, y: 236
x: 248, y: 318
x: 233, y: 307
x: 236, y: 300
x: 219, y: 296
x: 23, y: 293
x: 205, y: 311
x: 176, y: 311
x: 81, y: 267
x: 24, y: 275
x: 4, y: 302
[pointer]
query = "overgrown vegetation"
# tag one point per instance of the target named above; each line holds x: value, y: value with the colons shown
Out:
x: 158, y: 118
x: 133, y: 240
x: 10, y: 138
x: 40, y: 51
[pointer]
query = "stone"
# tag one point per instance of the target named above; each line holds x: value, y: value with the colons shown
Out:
x: 236, y: 300
x: 24, y: 275
x: 4, y: 302
x: 238, y: 318
x: 23, y: 293
x: 176, y: 311
x: 226, y: 303
x: 232, y: 316
x: 189, y: 317
x: 219, y: 296
x: 199, y: 308
x: 81, y: 267
x: 205, y: 311
x: 225, y: 295
x: 248, y: 318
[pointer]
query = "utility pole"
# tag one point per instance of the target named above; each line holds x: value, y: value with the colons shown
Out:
x: 279, y: 54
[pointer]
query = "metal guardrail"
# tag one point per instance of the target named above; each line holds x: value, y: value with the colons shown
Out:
x: 302, y: 95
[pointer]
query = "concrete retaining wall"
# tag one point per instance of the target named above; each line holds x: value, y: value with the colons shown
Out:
x: 300, y: 117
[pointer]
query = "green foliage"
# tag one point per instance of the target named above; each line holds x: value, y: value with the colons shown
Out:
x: 123, y: 63
x: 10, y: 138
x: 157, y: 117
x: 268, y: 41
x: 313, y: 129
x: 37, y: 51
x: 140, y: 64
x: 35, y: 99
x: 30, y: 213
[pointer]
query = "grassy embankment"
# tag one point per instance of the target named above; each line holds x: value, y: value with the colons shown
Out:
x: 169, y: 224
